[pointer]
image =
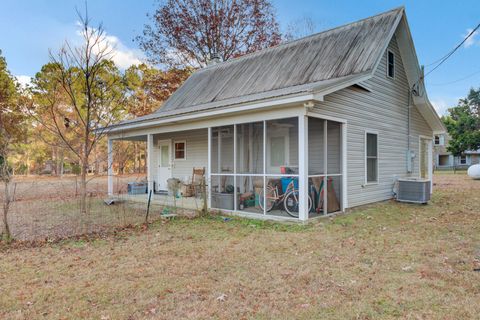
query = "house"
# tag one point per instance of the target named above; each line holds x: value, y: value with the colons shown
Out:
x: 445, y: 160
x: 319, y: 125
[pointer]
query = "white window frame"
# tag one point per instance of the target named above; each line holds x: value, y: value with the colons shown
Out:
x: 387, y: 64
x: 460, y: 159
x: 439, y: 140
x: 175, y: 150
x: 367, y: 183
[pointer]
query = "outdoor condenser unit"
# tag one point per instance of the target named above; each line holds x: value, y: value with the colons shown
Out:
x: 413, y: 190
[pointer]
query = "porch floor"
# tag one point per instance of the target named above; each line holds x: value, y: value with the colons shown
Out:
x: 193, y: 203
x: 190, y: 203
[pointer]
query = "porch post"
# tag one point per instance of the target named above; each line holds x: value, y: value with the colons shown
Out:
x: 150, y: 162
x: 325, y: 166
x: 110, y: 167
x: 430, y: 164
x: 235, y: 200
x: 303, y: 167
x: 344, y: 167
x: 209, y: 168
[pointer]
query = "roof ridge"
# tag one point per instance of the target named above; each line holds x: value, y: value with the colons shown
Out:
x: 290, y: 43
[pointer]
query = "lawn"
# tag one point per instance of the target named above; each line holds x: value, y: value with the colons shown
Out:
x: 384, y: 261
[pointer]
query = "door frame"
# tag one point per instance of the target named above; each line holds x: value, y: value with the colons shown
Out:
x: 282, y: 132
x: 429, y: 158
x: 170, y: 163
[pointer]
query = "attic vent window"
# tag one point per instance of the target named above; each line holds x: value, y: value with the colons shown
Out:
x: 390, y: 64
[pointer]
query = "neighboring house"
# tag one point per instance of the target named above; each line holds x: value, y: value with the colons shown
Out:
x: 445, y: 160
x: 344, y: 108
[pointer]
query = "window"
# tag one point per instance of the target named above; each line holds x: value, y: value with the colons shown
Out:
x: 371, y: 157
x: 443, y: 160
x: 463, y: 159
x: 180, y: 150
x: 437, y: 140
x: 390, y: 64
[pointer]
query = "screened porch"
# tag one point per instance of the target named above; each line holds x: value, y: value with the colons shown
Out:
x: 290, y: 168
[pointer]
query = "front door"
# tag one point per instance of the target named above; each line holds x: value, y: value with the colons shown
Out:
x: 164, y: 164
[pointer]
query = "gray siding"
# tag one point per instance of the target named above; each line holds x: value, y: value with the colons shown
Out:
x: 196, y: 148
x: 383, y: 110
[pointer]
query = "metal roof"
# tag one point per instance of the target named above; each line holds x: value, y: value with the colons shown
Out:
x: 313, y: 62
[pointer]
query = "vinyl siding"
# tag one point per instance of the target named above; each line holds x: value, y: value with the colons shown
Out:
x: 196, y: 152
x: 383, y: 110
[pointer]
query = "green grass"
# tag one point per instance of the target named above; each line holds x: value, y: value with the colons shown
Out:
x: 384, y: 261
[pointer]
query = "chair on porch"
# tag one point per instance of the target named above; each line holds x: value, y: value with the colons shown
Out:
x: 194, y: 188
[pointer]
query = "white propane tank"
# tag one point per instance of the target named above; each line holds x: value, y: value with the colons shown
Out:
x: 474, y: 171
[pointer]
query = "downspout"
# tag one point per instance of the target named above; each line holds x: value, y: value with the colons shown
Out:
x: 409, y: 154
x: 408, y: 119
x: 415, y: 90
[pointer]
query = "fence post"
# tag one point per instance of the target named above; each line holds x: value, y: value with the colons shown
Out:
x: 148, y: 206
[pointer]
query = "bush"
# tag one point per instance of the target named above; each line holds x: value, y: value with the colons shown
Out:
x: 76, y: 169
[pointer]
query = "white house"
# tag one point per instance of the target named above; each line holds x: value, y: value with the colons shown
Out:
x: 446, y: 160
x: 341, y: 114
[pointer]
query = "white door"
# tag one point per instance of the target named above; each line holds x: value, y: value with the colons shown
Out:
x: 426, y: 159
x: 164, y: 164
x: 277, y: 149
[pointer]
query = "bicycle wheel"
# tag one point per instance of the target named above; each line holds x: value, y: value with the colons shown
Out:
x: 291, y: 203
x: 271, y: 199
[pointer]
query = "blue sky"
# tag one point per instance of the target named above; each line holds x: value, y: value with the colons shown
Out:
x: 28, y: 29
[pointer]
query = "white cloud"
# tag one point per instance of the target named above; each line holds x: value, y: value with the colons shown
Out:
x: 24, y: 80
x: 440, y: 106
x: 122, y: 55
x: 472, y: 40
x: 443, y: 103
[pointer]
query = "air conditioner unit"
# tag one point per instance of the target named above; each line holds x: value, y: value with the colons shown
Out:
x: 413, y: 190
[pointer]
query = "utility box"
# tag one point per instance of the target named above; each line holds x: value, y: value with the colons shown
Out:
x: 222, y: 200
x: 413, y: 190
x: 137, y: 188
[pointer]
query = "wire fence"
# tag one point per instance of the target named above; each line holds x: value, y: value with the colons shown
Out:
x: 49, y: 208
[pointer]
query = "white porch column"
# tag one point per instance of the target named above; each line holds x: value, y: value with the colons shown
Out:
x: 344, y: 167
x: 303, y: 167
x: 110, y: 167
x: 209, y: 168
x: 150, y: 169
x: 430, y: 164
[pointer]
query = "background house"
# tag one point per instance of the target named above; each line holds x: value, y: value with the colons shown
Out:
x: 445, y: 160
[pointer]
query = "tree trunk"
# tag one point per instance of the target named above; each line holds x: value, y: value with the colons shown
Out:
x: 136, y: 163
x: 97, y: 163
x: 54, y: 160
x: 28, y: 164
x: 145, y: 159
x: 60, y: 165
x: 83, y: 187
x: 6, y: 207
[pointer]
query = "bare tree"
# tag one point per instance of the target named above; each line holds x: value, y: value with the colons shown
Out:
x: 187, y: 33
x: 12, y: 127
x: 300, y: 28
x: 79, y: 94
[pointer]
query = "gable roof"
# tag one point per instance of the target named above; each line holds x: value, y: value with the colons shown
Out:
x: 322, y: 62
x: 336, y: 53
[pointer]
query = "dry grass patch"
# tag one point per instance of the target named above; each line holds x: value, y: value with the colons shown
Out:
x: 384, y: 261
